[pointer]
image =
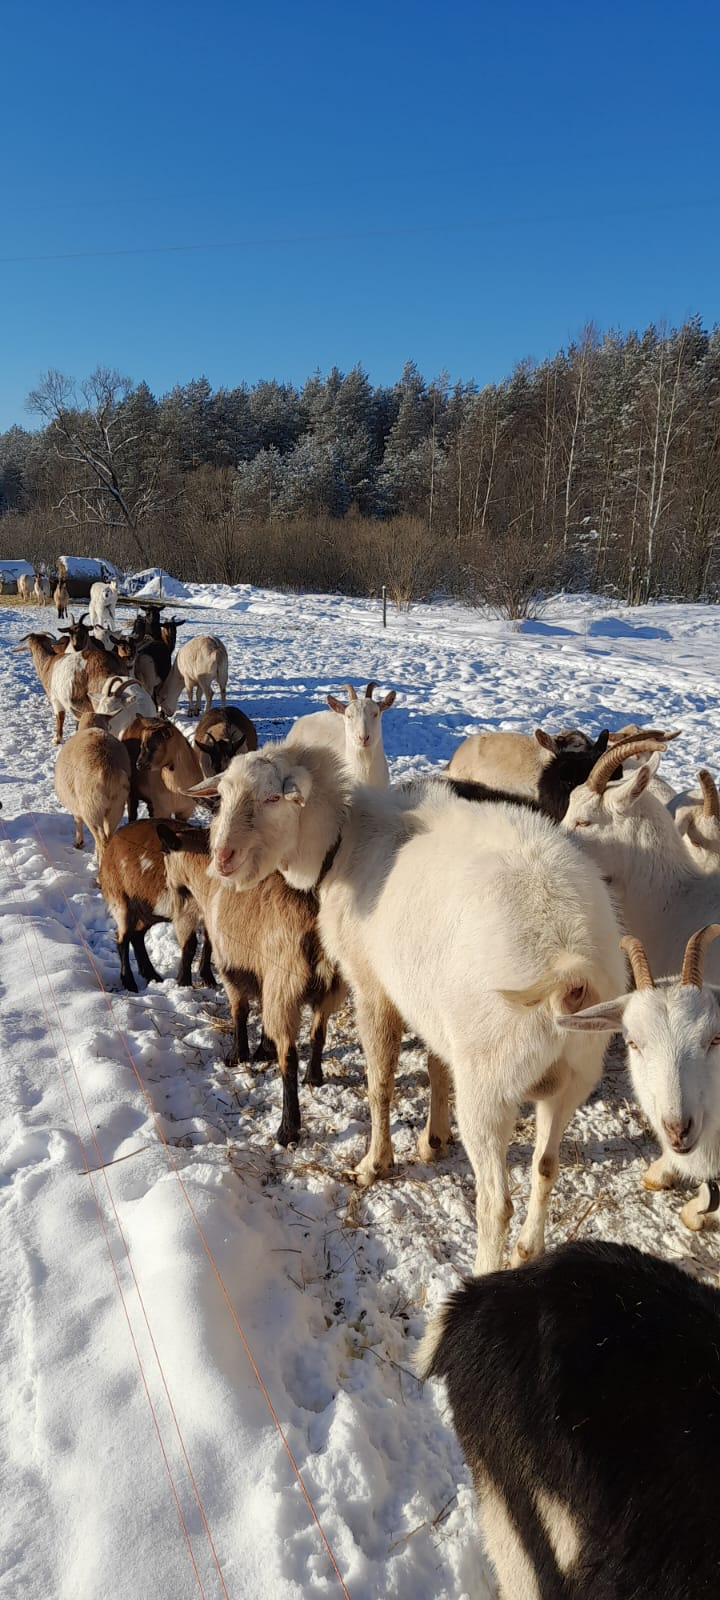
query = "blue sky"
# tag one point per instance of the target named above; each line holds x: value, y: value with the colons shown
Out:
x: 458, y: 184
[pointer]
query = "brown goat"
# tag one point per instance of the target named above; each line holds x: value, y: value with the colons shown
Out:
x: 164, y: 767
x: 92, y: 781
x: 222, y: 734
x: 265, y: 946
x: 134, y: 883
x: 62, y: 675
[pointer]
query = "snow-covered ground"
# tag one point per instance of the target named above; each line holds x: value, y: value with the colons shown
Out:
x: 153, y: 1236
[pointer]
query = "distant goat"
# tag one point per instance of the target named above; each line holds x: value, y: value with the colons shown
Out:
x: 585, y: 1392
x: 358, y: 740
x: 60, y: 597
x: 198, y: 664
x: 103, y: 600
x: 24, y: 587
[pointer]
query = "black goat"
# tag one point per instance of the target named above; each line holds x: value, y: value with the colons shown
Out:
x: 585, y: 1392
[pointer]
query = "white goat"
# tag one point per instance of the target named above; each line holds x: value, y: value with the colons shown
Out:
x: 631, y: 835
x: 24, y: 587
x: 103, y: 599
x: 198, y: 664
x: 122, y: 699
x: 41, y: 590
x: 697, y: 818
x: 359, y: 741
x: 672, y: 1033
x: 471, y: 923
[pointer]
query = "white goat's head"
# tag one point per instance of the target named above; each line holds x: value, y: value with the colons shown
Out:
x: 699, y: 826
x: 265, y: 822
x: 672, y: 1033
x: 254, y: 832
x: 606, y: 811
x: 363, y: 729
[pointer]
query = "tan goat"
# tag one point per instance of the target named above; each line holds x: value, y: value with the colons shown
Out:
x: 164, y: 768
x: 92, y: 781
x: 134, y: 883
x: 198, y: 664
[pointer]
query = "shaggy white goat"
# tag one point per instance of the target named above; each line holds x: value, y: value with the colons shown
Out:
x: 471, y: 923
x: 672, y: 1032
x: 696, y: 813
x: 24, y: 587
x: 358, y: 740
x: 631, y: 835
x: 197, y: 665
x: 103, y: 599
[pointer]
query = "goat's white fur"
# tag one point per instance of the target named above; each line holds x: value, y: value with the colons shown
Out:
x: 199, y: 663
x: 103, y: 599
x: 357, y: 739
x: 672, y: 1032
x: 434, y: 909
x: 122, y: 699
x: 662, y: 895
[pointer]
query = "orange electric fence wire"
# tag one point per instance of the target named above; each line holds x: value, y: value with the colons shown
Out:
x: 258, y: 1376
x: 25, y: 923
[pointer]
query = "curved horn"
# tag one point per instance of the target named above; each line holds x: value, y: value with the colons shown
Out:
x: 612, y: 759
x: 694, y: 958
x: 350, y: 691
x: 369, y: 691
x: 711, y: 798
x: 638, y: 961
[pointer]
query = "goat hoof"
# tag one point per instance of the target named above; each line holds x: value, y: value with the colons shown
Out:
x: 287, y: 1135
x: 367, y: 1171
x: 431, y: 1147
x: 314, y: 1077
x: 693, y: 1219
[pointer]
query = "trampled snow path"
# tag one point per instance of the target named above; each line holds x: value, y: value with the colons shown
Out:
x: 331, y: 1288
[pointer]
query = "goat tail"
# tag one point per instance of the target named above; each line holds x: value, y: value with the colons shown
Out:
x: 567, y: 984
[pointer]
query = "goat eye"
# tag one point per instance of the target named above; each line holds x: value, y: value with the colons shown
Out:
x: 272, y: 799
x: 582, y: 824
x: 632, y: 1045
x: 714, y: 1042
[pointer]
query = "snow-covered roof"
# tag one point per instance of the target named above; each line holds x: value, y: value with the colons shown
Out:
x: 150, y: 585
x: 15, y: 569
x: 89, y: 567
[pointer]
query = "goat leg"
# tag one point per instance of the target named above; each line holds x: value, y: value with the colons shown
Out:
x: 145, y: 966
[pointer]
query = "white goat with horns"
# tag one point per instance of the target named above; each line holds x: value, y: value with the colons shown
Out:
x: 358, y: 741
x: 471, y: 923
x: 631, y: 836
x: 672, y: 1031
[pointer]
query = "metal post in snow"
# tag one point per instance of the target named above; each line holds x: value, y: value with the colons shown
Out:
x: 384, y: 598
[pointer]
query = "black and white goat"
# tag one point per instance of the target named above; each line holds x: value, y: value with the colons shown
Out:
x: 585, y: 1392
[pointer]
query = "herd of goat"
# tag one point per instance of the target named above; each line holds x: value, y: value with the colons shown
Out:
x: 541, y: 892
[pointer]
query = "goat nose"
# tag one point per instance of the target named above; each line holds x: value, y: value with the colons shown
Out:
x: 677, y: 1132
x: 224, y: 859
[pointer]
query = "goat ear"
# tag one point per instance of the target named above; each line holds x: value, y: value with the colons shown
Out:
x: 292, y: 790
x: 624, y: 795
x: 169, y: 840
x: 207, y: 749
x: 605, y: 1018
x: 545, y: 740
x: 388, y: 700
x: 601, y: 743
x: 336, y: 705
x: 208, y: 786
